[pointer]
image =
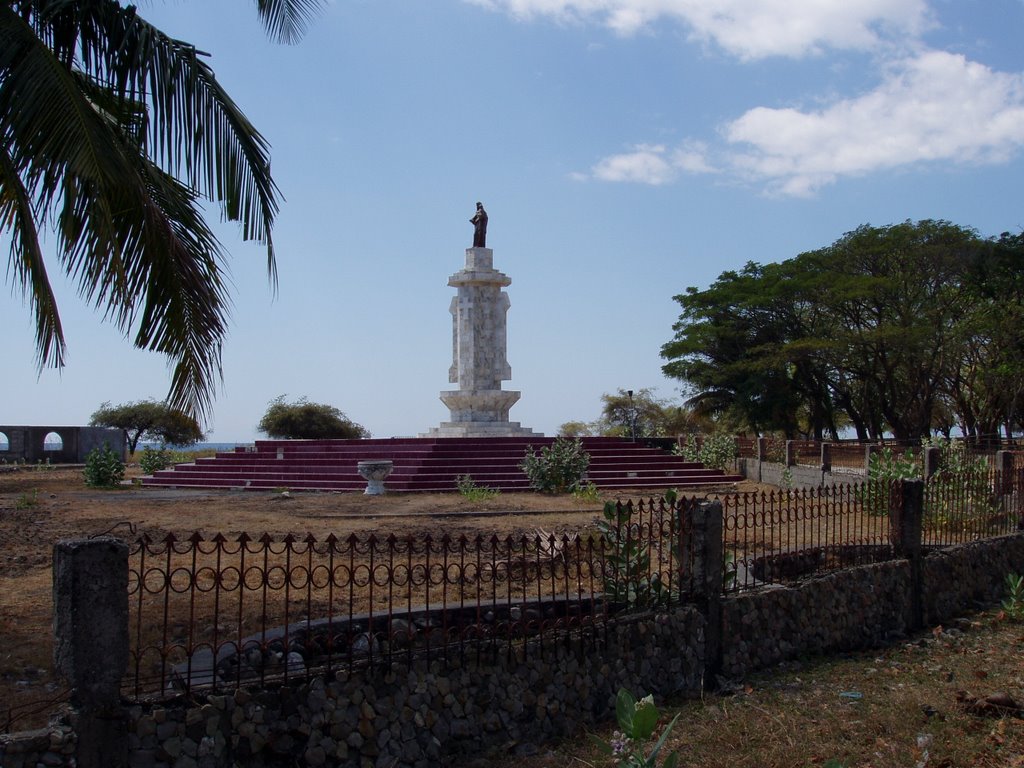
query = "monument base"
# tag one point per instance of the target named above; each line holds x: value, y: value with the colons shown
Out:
x: 480, y: 413
x: 481, y: 429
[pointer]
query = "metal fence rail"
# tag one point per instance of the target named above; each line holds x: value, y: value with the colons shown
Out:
x: 786, y: 534
x: 219, y: 612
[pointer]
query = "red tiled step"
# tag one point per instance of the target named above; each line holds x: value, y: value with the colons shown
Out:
x: 427, y: 464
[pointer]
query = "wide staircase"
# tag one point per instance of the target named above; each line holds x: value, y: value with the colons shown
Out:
x: 428, y: 464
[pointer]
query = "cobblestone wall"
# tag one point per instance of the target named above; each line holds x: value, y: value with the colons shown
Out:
x: 427, y: 715
x: 432, y: 715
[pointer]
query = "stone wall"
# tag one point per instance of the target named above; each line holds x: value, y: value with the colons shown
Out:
x: 428, y: 714
x: 436, y: 714
x: 26, y: 444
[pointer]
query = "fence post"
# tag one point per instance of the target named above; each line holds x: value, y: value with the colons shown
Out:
x: 90, y: 651
x: 826, y: 457
x: 790, y: 459
x: 1005, y: 463
x: 907, y: 520
x: 762, y: 456
x: 702, y: 537
x: 932, y: 461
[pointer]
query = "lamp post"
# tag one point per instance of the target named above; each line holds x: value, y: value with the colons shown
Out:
x: 632, y: 416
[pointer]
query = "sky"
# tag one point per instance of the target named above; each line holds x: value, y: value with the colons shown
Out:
x: 624, y: 149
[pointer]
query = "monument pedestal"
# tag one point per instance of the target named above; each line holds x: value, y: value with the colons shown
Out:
x: 479, y: 407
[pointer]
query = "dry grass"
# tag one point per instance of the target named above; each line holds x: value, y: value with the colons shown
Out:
x: 882, y: 709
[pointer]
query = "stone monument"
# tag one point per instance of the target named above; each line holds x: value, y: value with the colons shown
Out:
x: 479, y: 407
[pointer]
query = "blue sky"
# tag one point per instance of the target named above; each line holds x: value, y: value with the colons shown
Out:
x: 624, y: 149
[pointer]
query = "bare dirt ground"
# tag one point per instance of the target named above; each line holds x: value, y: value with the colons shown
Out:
x: 38, y: 507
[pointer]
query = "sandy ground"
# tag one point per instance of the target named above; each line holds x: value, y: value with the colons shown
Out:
x: 38, y: 507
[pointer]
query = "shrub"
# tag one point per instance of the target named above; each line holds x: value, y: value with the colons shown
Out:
x: 103, y: 468
x: 627, y: 574
x: 557, y: 468
x: 303, y: 420
x: 154, y: 459
x: 714, y: 451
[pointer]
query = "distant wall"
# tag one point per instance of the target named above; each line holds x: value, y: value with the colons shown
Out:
x: 28, y: 444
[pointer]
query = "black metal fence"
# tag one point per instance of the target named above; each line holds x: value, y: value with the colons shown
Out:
x: 221, y: 612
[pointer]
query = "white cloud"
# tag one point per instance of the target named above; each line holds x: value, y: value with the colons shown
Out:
x: 652, y: 164
x: 748, y: 29
x: 936, y: 107
x: 645, y: 164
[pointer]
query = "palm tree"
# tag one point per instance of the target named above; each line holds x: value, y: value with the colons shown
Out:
x: 111, y: 134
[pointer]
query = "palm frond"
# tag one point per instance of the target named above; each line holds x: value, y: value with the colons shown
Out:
x: 287, y: 20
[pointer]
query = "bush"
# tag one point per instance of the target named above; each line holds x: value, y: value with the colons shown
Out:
x: 154, y: 459
x: 303, y: 420
x: 714, y: 451
x: 557, y: 468
x: 103, y: 468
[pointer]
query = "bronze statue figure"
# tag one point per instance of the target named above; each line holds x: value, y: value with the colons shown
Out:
x: 479, y: 222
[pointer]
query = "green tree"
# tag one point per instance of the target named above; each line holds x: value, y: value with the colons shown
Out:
x: 148, y: 419
x: 112, y: 134
x: 303, y: 420
x: 871, y: 329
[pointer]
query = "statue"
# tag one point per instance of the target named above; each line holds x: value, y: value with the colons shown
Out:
x: 479, y: 222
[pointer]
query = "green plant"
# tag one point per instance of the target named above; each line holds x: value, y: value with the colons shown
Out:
x: 960, y: 474
x: 474, y: 492
x: 627, y: 576
x: 153, y: 460
x: 587, y: 492
x: 714, y: 451
x: 556, y: 468
x: 1013, y: 605
x: 26, y: 501
x: 637, y: 721
x: 103, y: 468
x: 884, y: 468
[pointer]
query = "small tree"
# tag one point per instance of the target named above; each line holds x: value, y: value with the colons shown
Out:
x: 148, y: 419
x: 303, y: 420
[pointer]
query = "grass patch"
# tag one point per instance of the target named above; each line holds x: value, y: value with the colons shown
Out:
x: 884, y: 709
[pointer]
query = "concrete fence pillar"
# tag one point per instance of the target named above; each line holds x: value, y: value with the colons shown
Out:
x: 90, y: 632
x: 826, y: 457
x: 701, y: 527
x: 1004, y: 466
x: 932, y: 461
x: 906, y: 517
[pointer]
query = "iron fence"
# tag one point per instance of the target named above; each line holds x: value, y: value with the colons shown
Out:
x: 788, y: 533
x: 971, y: 505
x: 220, y: 612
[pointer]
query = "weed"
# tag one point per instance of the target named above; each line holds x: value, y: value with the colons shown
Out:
x: 474, y: 492
x: 637, y: 720
x: 27, y: 501
x: 1013, y: 605
x: 587, y: 492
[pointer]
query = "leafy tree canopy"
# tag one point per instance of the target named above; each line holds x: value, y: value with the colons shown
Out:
x: 303, y: 420
x: 112, y: 134
x: 651, y: 416
x: 886, y: 329
x: 150, y: 420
